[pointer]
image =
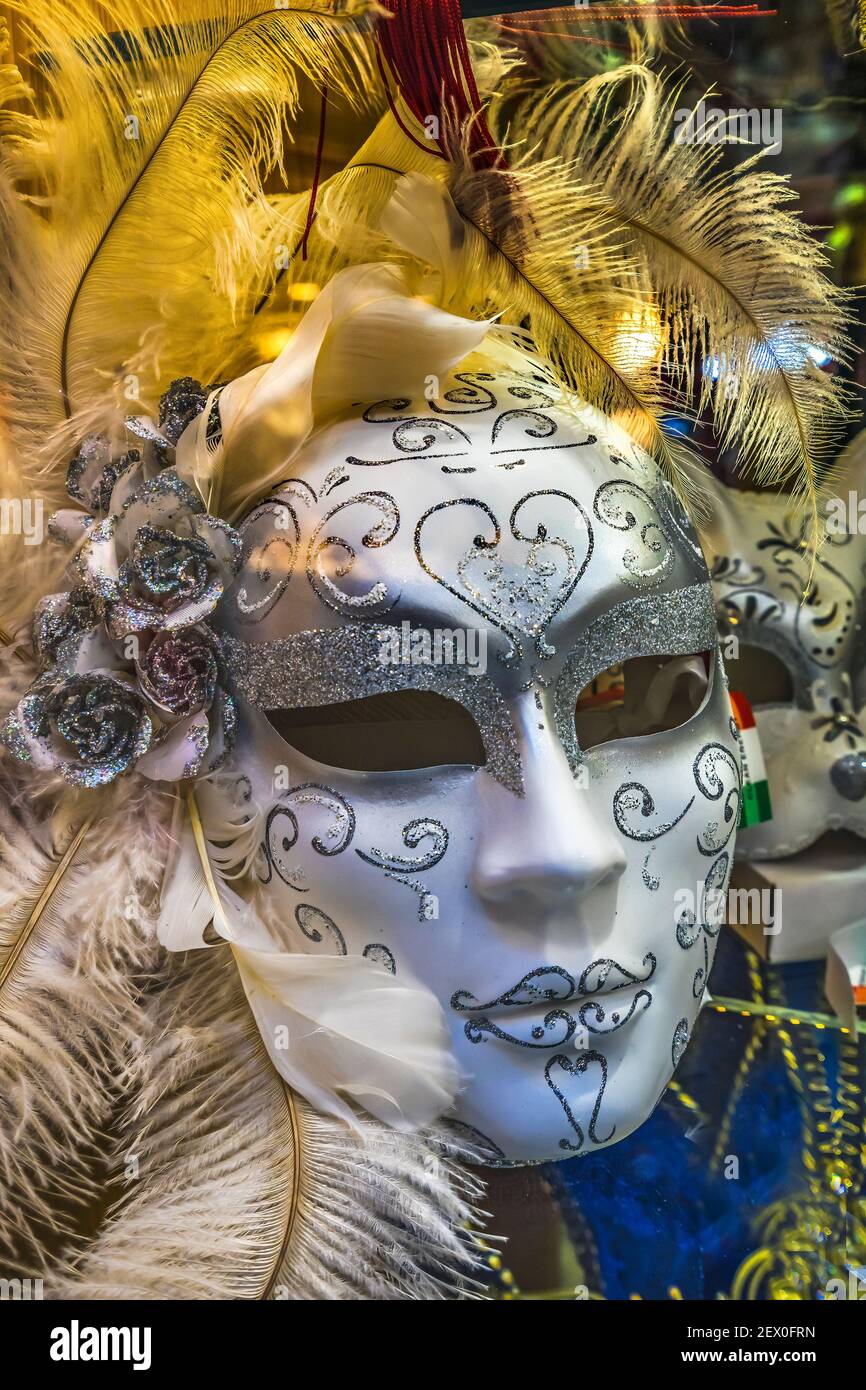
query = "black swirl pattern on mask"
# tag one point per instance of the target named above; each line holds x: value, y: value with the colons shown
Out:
x: 709, y: 919
x: 806, y: 618
x: 702, y: 974
x: 615, y: 1020
x: 605, y: 974
x: 416, y: 437
x: 280, y: 550
x: 548, y: 983
x: 476, y: 1029
x: 378, y: 599
x: 381, y: 955
x: 536, y: 425
x: 522, y: 603
x: 334, y: 478
x: 528, y: 990
x: 677, y: 524
x: 400, y: 867
x: 534, y: 391
x: 282, y: 830
x: 738, y: 573
x: 578, y: 1066
x: 634, y: 796
x: 679, y: 1042
x: 310, y: 919
x: 470, y: 398
x: 825, y: 606
x: 656, y: 546
x: 603, y: 1024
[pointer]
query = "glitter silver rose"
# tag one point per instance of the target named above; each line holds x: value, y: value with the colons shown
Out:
x: 89, y: 728
x: 130, y: 674
x: 159, y: 561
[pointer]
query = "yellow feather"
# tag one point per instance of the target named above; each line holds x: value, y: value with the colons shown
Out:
x: 141, y: 236
x: 736, y: 275
x: 527, y: 244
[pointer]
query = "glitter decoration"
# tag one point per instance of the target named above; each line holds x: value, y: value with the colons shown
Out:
x: 61, y: 617
x: 313, y: 922
x: 626, y: 507
x: 161, y: 562
x: 93, y: 472
x: 675, y: 623
x: 400, y: 867
x: 180, y: 671
x: 182, y: 403
x: 680, y: 1041
x: 524, y: 602
x: 380, y: 955
x: 89, y: 728
x: 322, y: 667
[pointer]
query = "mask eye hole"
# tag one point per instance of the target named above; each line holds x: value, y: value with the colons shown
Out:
x: 392, y: 732
x: 644, y: 695
x: 761, y: 675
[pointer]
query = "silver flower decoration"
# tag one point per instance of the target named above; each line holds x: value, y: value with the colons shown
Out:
x: 159, y: 561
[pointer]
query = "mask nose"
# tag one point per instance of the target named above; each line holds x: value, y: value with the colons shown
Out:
x: 848, y: 776
x: 547, y: 850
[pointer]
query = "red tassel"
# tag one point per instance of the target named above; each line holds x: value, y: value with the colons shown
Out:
x: 425, y: 47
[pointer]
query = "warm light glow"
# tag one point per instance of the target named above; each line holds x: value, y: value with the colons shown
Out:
x: 639, y: 338
x: 271, y: 344
x: 303, y: 292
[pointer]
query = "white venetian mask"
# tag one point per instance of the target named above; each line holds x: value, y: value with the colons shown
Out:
x: 800, y: 664
x: 425, y: 603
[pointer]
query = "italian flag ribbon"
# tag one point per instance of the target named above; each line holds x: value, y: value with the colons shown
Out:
x: 755, y: 805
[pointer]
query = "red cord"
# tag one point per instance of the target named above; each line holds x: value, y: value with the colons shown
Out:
x: 425, y: 47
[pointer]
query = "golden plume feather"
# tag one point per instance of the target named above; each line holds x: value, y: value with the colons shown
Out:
x: 738, y: 279
x: 847, y: 20
x: 139, y: 232
x: 525, y: 244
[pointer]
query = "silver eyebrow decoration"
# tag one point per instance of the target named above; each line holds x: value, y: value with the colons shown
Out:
x: 677, y: 622
x: 328, y: 666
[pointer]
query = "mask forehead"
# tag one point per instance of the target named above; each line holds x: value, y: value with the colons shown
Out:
x: 493, y: 506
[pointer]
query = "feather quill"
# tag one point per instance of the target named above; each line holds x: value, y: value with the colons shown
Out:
x: 514, y: 243
x: 740, y: 284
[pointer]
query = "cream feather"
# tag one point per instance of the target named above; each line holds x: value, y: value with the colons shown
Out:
x: 513, y: 243
x: 738, y: 280
x: 148, y: 235
x: 75, y: 948
x: 237, y: 1189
